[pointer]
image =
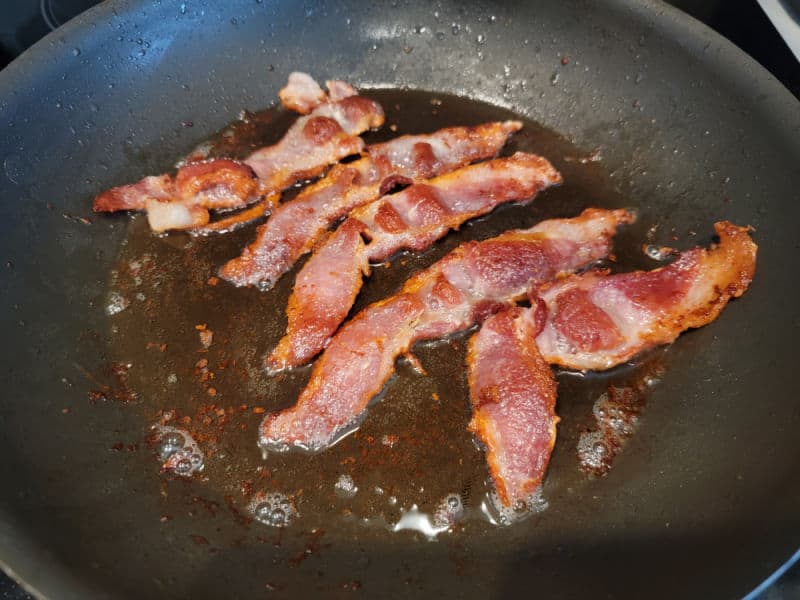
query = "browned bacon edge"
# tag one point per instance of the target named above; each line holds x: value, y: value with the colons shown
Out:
x: 295, y: 227
x: 453, y: 294
x: 329, y: 282
x: 235, y: 221
x: 326, y: 135
x: 592, y: 320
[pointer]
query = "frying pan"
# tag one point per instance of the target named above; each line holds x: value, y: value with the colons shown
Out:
x: 703, y: 501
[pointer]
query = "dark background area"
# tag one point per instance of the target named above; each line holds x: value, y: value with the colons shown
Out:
x: 23, y: 22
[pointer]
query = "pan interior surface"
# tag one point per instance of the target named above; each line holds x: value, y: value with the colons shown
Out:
x: 689, y: 131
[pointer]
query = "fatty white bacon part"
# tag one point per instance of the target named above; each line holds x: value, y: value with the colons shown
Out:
x: 302, y: 93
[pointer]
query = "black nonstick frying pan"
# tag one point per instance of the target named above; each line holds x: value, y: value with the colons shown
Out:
x: 702, y: 502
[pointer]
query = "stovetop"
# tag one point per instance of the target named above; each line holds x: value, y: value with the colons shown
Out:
x: 24, y: 22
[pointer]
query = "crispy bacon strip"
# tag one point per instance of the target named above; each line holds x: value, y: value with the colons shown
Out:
x: 596, y: 321
x: 219, y: 184
x: 329, y: 133
x: 413, y: 218
x: 588, y: 321
x: 295, y: 227
x: 513, y: 393
x: 456, y: 292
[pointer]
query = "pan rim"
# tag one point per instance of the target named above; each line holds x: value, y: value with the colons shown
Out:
x: 41, y: 574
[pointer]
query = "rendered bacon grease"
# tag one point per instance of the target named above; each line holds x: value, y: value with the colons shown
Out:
x: 531, y: 294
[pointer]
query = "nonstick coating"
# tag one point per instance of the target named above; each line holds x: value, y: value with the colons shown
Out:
x: 703, y: 503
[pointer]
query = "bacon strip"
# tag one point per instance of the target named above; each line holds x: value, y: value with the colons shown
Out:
x: 513, y: 393
x: 326, y: 135
x: 596, y: 321
x: 587, y: 321
x: 456, y: 292
x: 295, y: 227
x: 413, y: 218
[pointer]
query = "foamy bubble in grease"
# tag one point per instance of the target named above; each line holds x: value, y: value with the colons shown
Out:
x: 659, y: 253
x: 273, y: 509
x: 449, y: 511
x: 498, y: 513
x: 116, y: 304
x: 178, y: 452
x: 345, y: 487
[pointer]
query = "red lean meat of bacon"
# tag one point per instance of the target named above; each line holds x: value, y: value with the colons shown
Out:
x: 588, y: 321
x: 296, y: 226
x: 461, y: 289
x: 326, y: 135
x: 513, y: 393
x: 329, y: 282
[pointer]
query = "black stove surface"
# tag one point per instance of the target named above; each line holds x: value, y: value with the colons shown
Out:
x: 24, y: 22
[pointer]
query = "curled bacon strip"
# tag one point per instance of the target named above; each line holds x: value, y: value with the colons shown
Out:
x: 324, y: 136
x: 589, y: 321
x: 329, y: 282
x: 456, y: 292
x: 135, y: 195
x: 295, y: 227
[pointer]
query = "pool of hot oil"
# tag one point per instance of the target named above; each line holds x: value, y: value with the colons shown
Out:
x: 413, y: 447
